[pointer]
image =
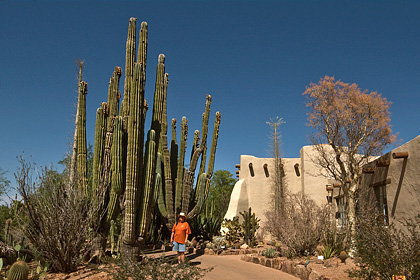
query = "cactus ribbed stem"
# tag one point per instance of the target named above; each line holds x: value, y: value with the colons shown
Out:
x: 113, y: 101
x: 81, y: 138
x: 188, y: 181
x: 148, y: 185
x: 203, y: 144
x: 18, y: 271
x: 181, y: 169
x: 130, y: 58
x: 100, y: 130
x: 214, y: 145
x: 134, y: 156
x: 116, y: 170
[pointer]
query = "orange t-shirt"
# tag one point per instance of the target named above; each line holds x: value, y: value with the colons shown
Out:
x: 180, y: 232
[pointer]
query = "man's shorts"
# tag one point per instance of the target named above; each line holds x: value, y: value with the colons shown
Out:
x: 179, y: 247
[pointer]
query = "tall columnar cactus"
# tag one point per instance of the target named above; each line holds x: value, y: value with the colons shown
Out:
x: 180, y: 187
x: 81, y: 138
x: 99, y: 144
x: 78, y: 162
x: 116, y: 170
x: 151, y: 174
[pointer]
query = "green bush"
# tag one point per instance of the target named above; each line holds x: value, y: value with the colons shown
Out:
x: 269, y: 253
x: 383, y: 251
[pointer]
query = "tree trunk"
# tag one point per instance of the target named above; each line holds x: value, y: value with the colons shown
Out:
x: 351, y: 218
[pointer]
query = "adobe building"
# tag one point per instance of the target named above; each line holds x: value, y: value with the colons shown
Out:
x: 255, y: 185
x: 391, y: 181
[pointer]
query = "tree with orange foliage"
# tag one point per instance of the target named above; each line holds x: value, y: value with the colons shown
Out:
x: 355, y: 125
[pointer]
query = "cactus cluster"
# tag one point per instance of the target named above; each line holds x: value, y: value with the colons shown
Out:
x: 250, y: 226
x: 148, y: 180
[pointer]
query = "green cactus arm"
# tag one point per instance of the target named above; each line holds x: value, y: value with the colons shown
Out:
x: 173, y: 126
x: 165, y: 105
x: 134, y: 156
x: 148, y: 184
x: 213, y: 145
x: 117, y: 187
x: 142, y: 48
x: 161, y: 202
x: 188, y: 181
x: 158, y: 100
x: 204, y: 183
x: 196, y: 142
x: 180, y: 168
x: 100, y: 128
x: 204, y: 133
x: 130, y: 58
x: 81, y: 137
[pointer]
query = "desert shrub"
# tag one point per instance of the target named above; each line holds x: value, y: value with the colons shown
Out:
x: 57, y: 217
x: 301, y: 226
x: 156, y: 269
x: 383, y: 251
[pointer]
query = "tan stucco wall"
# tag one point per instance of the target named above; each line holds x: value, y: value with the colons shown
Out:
x: 403, y: 175
x: 256, y: 191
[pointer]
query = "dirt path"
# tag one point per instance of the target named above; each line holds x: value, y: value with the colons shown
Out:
x: 231, y: 267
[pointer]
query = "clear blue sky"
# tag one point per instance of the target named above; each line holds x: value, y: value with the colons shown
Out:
x: 254, y: 57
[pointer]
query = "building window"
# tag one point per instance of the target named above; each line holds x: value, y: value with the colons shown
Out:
x: 341, y: 215
x: 251, y: 169
x: 381, y: 204
x: 265, y: 166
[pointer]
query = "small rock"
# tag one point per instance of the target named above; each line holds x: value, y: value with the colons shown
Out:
x: 314, y: 276
x: 247, y: 258
x: 349, y: 261
x: 331, y: 263
x: 244, y: 246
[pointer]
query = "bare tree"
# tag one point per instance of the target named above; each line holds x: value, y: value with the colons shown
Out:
x: 355, y: 125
